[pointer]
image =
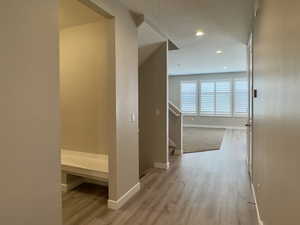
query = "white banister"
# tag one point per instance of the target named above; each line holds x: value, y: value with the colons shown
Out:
x: 175, y: 128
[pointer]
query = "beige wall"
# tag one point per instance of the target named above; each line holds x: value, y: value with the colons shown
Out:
x: 30, y: 137
x: 123, y: 159
x: 123, y: 155
x: 87, y: 87
x: 174, y: 96
x: 153, y: 84
x: 29, y: 115
x: 277, y: 112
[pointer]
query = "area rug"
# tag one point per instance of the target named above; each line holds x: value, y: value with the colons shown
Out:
x: 202, y: 139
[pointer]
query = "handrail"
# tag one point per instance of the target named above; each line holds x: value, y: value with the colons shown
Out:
x: 174, y: 106
x: 174, y: 109
x: 175, y: 129
x: 174, y: 113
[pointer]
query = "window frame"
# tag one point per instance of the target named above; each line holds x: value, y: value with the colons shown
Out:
x: 198, y: 112
x: 215, y: 97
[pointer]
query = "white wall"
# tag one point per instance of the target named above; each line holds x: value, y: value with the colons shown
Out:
x: 124, y: 158
x: 276, y: 130
x: 174, y: 96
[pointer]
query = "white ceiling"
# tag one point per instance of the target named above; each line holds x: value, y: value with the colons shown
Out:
x: 226, y: 25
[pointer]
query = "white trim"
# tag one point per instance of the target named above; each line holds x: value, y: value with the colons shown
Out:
x: 260, y: 222
x: 160, y: 165
x: 211, y: 126
x: 115, y: 205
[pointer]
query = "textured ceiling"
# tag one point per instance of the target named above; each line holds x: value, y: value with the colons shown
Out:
x: 226, y: 25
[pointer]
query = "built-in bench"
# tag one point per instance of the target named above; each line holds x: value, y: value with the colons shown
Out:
x: 82, y: 165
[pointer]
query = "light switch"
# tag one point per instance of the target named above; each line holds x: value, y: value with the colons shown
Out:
x: 132, y: 117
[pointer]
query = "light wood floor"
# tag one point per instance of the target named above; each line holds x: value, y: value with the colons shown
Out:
x: 206, y: 188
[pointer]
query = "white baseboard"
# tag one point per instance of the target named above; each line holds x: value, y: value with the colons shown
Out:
x: 260, y: 222
x: 211, y: 126
x: 160, y: 165
x: 115, y: 205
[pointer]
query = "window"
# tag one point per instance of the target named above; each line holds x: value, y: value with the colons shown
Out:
x: 207, y: 97
x: 221, y: 97
x: 189, y: 97
x: 215, y: 98
x: 241, y: 97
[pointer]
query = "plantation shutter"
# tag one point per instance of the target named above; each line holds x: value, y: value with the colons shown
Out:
x: 189, y: 97
x: 241, y: 97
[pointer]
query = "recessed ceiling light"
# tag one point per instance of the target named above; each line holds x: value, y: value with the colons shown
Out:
x: 200, y: 33
x: 219, y: 52
x: 225, y: 67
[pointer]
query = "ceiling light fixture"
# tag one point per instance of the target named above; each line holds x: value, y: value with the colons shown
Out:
x: 219, y: 52
x: 199, y: 33
x: 225, y: 67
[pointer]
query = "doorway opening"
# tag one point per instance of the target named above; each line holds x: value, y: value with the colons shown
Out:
x: 87, y: 100
x: 210, y: 103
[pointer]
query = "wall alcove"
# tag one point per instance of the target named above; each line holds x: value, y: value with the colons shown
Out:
x: 87, y: 93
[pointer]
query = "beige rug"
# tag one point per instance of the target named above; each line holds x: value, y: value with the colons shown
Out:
x: 202, y: 139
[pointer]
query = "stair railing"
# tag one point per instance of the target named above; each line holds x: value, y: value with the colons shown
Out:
x: 175, y: 129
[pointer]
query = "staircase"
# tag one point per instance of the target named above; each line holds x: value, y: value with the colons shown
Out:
x: 175, y: 129
x: 172, y: 146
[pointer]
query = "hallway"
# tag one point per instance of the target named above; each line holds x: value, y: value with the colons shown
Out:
x: 208, y: 188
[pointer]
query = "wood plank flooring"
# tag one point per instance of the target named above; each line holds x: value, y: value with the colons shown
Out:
x: 206, y: 188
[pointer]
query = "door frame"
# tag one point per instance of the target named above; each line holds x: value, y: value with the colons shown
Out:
x: 250, y: 107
